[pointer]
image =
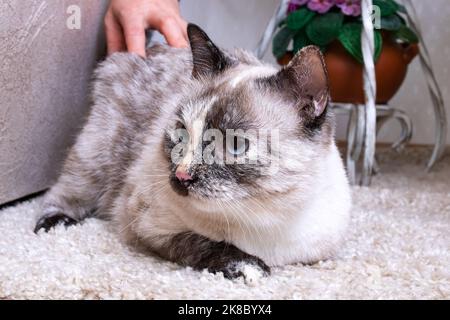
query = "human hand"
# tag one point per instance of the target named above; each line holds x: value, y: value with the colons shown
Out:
x: 126, y: 22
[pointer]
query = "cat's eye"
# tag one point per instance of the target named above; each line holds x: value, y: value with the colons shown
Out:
x: 237, y: 145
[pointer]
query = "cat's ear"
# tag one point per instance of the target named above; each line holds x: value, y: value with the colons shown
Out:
x: 305, y: 79
x: 208, y: 59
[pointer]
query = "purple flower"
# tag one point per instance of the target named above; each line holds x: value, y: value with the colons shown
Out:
x: 350, y: 7
x: 295, y: 4
x: 321, y: 6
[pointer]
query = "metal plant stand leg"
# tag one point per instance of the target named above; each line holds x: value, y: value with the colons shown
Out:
x: 382, y: 119
x: 361, y: 132
x: 385, y: 113
x: 279, y: 15
x: 370, y: 89
x: 356, y: 133
x: 351, y: 141
x: 355, y: 138
x: 435, y: 91
x: 407, y: 129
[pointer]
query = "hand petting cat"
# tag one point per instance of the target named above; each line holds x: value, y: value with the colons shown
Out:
x: 126, y: 22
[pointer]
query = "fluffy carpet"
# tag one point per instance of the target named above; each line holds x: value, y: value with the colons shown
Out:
x: 398, y: 247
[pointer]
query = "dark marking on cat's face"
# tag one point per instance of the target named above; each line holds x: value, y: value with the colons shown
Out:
x: 233, y: 175
x: 229, y: 112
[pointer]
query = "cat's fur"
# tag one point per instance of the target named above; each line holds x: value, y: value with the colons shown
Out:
x: 230, y: 215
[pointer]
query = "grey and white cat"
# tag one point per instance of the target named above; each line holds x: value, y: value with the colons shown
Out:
x: 220, y: 216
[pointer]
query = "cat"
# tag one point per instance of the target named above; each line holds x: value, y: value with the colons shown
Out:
x: 235, y: 217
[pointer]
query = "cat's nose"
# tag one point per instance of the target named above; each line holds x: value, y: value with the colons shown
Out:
x: 183, y: 175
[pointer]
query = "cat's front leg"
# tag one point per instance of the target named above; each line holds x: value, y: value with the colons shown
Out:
x: 146, y: 224
x: 199, y: 252
x: 73, y: 197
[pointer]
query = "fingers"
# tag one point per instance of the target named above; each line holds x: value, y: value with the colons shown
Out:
x: 175, y: 32
x: 114, y: 36
x: 126, y: 22
x: 134, y: 32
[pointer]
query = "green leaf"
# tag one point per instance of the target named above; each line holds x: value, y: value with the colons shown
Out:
x: 350, y: 37
x: 401, y: 8
x: 281, y: 42
x: 301, y: 40
x: 401, y: 19
x: 387, y: 7
x: 406, y: 35
x: 325, y: 28
x: 391, y: 23
x: 299, y: 18
x: 282, y: 23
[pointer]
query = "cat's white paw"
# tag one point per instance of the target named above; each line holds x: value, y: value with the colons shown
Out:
x: 251, y: 272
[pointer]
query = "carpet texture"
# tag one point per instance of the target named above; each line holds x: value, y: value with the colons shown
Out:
x: 397, y: 247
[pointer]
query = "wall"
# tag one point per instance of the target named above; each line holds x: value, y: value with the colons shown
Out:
x: 240, y: 23
x: 44, y: 76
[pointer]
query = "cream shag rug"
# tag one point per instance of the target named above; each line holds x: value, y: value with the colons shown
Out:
x: 398, y: 247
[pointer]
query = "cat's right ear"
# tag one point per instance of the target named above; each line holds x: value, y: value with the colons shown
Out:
x: 304, y: 80
x: 207, y: 58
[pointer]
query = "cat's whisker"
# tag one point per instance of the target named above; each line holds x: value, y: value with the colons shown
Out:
x: 161, y: 190
x: 248, y: 219
x: 129, y: 224
x: 232, y: 210
x: 267, y: 215
x: 156, y: 175
x: 242, y: 216
x: 158, y: 192
x: 137, y: 217
x: 153, y: 195
x: 220, y: 203
x: 258, y: 214
x: 149, y: 187
x: 224, y: 214
x: 264, y: 209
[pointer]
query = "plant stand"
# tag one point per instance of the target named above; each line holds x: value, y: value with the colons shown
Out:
x: 363, y: 125
x: 356, y: 131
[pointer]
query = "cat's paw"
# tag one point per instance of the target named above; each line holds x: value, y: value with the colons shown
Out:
x: 49, y: 221
x: 251, y: 269
x: 252, y: 272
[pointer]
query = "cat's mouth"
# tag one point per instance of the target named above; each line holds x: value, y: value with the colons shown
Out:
x: 187, y: 188
x: 180, y: 187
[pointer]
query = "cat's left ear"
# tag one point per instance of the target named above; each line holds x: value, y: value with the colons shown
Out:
x: 207, y: 58
x: 305, y: 80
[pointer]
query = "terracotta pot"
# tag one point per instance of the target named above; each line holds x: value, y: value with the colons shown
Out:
x: 346, y: 74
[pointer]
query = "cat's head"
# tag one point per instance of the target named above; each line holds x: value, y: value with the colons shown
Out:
x: 246, y: 129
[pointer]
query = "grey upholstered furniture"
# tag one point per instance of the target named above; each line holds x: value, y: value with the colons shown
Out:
x: 45, y: 69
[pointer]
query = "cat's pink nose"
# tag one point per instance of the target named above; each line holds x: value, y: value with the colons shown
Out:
x: 182, y: 175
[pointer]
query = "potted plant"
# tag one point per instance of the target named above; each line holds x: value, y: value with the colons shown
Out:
x: 335, y: 26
